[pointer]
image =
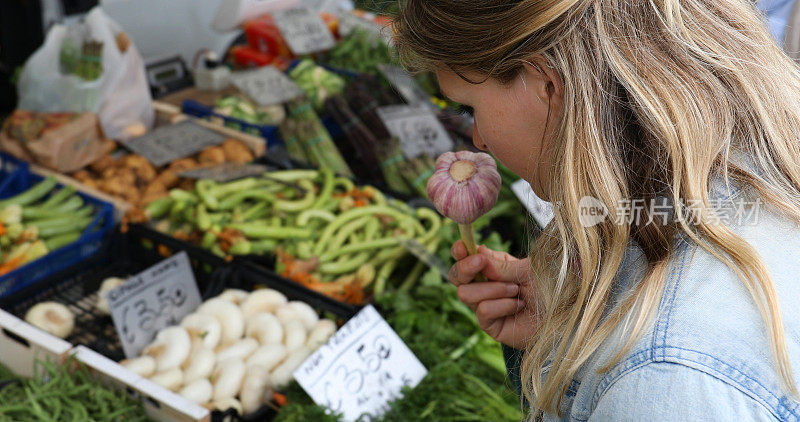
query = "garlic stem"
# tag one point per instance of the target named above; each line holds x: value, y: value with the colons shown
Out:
x: 468, y: 236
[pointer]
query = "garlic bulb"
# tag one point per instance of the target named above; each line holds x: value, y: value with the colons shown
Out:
x: 465, y: 186
x: 52, y: 317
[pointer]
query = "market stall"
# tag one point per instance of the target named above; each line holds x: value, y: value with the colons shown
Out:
x: 260, y: 246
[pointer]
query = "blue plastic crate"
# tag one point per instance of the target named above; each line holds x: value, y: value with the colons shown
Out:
x: 90, y: 242
x: 9, y: 167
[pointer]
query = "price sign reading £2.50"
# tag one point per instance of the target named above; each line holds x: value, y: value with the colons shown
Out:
x: 156, y: 298
x: 361, y: 368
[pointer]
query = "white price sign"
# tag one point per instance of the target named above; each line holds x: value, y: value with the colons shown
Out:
x: 418, y: 129
x: 266, y: 86
x: 156, y: 298
x: 541, y: 210
x: 304, y: 31
x: 406, y: 85
x: 361, y: 369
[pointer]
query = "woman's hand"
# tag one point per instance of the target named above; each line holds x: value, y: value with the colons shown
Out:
x: 504, y: 305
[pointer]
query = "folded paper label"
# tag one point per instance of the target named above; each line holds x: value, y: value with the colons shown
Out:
x: 361, y: 369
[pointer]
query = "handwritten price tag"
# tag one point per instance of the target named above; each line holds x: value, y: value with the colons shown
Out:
x: 541, y: 210
x: 156, y: 298
x: 266, y: 86
x: 361, y: 369
x: 304, y: 31
x: 173, y: 142
x: 406, y: 85
x: 225, y: 172
x: 418, y: 129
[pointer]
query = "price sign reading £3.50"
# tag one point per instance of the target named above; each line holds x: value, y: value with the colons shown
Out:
x: 156, y: 298
x: 418, y: 129
x: 361, y: 368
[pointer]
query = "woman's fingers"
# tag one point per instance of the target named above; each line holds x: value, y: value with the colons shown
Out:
x: 474, y: 293
x: 459, y: 250
x: 489, y: 311
x: 464, y: 270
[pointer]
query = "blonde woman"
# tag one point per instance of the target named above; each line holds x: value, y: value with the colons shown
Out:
x: 666, y: 133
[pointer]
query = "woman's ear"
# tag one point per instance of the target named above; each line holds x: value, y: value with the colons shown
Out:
x: 548, y: 81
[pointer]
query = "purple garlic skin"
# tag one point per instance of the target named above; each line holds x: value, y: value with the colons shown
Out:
x: 464, y: 185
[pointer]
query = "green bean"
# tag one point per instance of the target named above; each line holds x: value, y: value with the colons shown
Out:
x: 254, y: 212
x: 327, y: 187
x: 296, y: 206
x: 344, y: 183
x: 231, y: 201
x: 347, y: 266
x: 383, y: 275
x: 292, y: 175
x: 360, y: 212
x: 360, y: 247
x: 260, y: 231
x: 347, y: 230
x: 307, y: 215
x: 436, y: 224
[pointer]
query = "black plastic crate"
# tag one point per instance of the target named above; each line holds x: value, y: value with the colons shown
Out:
x: 128, y: 254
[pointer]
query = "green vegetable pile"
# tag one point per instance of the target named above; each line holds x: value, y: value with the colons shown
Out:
x: 360, y: 51
x: 32, y: 223
x: 57, y: 394
x: 466, y: 378
x: 318, y: 83
x: 327, y: 234
x: 244, y: 110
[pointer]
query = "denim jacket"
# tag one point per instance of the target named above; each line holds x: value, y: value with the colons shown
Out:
x: 706, y: 355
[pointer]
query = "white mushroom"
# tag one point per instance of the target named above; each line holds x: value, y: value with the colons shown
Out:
x: 240, y: 350
x: 294, y: 335
x: 265, y: 327
x: 143, y: 366
x: 228, y: 379
x: 236, y: 296
x: 170, y: 348
x: 199, y: 391
x: 228, y: 315
x: 171, y: 379
x: 268, y: 356
x: 254, y: 387
x: 199, y: 365
x: 51, y: 317
x: 108, y: 285
x: 283, y: 374
x: 319, y: 335
x: 306, y: 313
x: 203, y: 327
x: 264, y: 300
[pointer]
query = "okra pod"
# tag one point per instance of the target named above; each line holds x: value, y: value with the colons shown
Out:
x: 57, y: 242
x: 33, y: 194
x: 58, y: 197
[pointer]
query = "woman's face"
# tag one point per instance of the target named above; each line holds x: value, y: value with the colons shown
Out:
x: 511, y: 120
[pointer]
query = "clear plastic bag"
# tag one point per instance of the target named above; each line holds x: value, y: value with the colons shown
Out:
x: 119, y: 95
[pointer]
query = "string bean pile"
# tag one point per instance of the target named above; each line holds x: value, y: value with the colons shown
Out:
x: 56, y: 394
x: 325, y: 232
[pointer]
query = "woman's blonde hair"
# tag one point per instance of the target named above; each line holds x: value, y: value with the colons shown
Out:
x: 660, y: 95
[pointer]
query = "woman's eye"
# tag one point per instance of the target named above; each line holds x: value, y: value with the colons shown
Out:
x: 466, y: 110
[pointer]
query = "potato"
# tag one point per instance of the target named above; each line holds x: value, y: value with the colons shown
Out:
x: 82, y: 175
x: 237, y: 152
x: 167, y: 178
x: 186, y: 184
x: 155, y: 190
x: 142, y: 168
x: 213, y: 155
x: 183, y: 164
x: 103, y: 163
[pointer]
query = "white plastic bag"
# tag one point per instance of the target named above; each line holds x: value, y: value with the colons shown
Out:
x: 120, y: 96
